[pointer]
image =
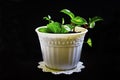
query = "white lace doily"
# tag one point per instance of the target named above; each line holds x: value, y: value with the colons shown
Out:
x: 45, y: 69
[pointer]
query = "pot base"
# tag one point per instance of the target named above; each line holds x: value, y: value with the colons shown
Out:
x: 60, y: 69
x: 54, y: 71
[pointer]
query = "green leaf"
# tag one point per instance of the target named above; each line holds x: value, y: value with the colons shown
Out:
x: 48, y: 18
x: 96, y: 18
x: 63, y: 30
x: 45, y: 30
x: 68, y: 12
x: 70, y: 26
x: 79, y: 20
x: 66, y: 28
x: 93, y: 20
x: 89, y: 42
x: 55, y: 27
x: 92, y: 25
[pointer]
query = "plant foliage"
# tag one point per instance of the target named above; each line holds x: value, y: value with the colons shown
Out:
x: 57, y: 27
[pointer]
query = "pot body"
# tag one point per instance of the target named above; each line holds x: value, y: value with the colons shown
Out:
x: 61, y: 51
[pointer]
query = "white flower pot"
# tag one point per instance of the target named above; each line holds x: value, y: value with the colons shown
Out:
x: 61, y: 51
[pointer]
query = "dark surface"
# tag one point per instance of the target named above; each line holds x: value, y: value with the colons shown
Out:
x: 19, y: 46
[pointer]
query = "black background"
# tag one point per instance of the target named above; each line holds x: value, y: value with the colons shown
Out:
x: 19, y: 45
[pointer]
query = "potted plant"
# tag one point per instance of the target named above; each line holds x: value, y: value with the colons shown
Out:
x: 61, y: 44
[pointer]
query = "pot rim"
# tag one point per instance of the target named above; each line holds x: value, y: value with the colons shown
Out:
x: 83, y: 31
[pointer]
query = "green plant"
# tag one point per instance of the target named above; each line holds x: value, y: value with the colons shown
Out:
x: 62, y: 28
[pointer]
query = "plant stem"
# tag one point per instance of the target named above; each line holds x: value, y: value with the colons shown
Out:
x: 73, y: 26
x: 86, y: 26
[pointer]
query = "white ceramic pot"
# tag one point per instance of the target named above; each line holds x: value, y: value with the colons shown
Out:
x: 61, y: 51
